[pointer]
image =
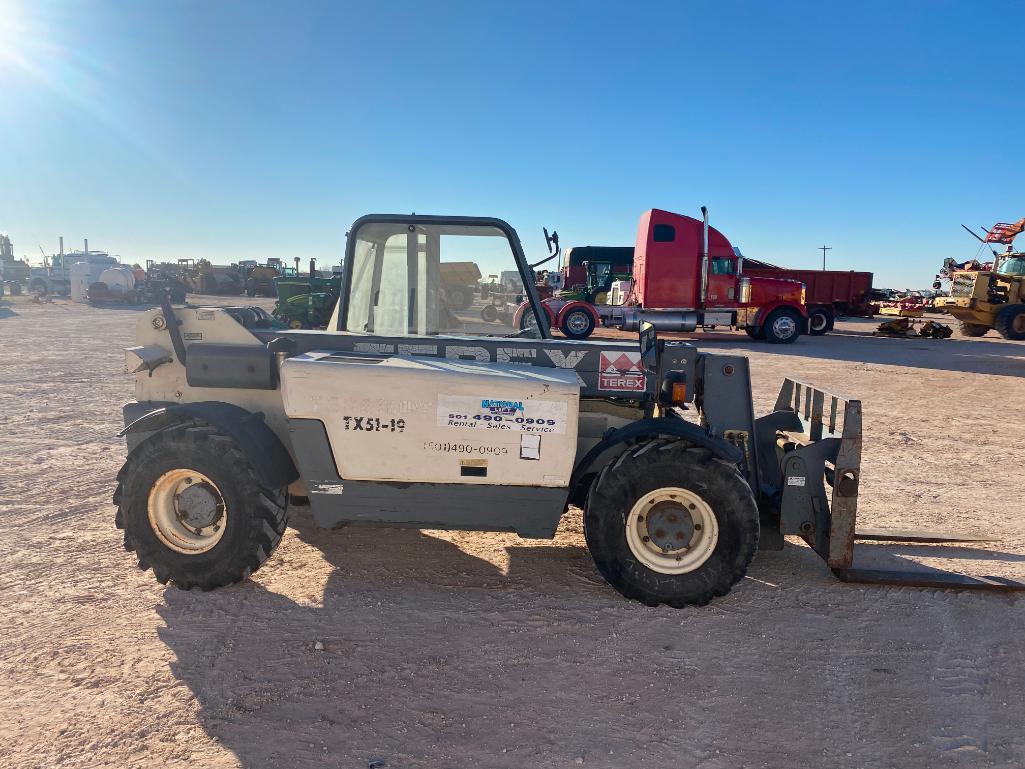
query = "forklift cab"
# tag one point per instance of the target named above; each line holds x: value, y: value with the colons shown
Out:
x: 393, y: 283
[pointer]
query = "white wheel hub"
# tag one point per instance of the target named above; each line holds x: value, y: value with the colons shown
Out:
x: 578, y: 321
x: 784, y: 327
x: 671, y: 530
x: 187, y: 511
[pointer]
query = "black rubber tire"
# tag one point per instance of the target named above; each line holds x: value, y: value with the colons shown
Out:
x: 771, y: 336
x: 38, y: 287
x: 973, y: 329
x: 755, y: 333
x: 656, y: 464
x: 16, y: 289
x: 459, y: 298
x: 582, y: 333
x: 250, y: 291
x: 820, y: 321
x: 1010, y: 322
x: 489, y: 313
x: 257, y: 515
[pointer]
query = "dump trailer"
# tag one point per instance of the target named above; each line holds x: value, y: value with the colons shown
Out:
x: 408, y: 413
x: 829, y: 294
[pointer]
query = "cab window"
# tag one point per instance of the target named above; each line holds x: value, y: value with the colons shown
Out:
x: 435, y: 279
x: 724, y: 265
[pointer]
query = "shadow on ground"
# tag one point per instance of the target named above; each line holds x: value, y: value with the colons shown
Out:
x: 420, y: 655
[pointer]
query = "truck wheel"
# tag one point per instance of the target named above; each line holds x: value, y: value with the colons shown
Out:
x: 193, y: 509
x: 783, y: 326
x: 755, y: 333
x: 250, y: 291
x: 38, y: 287
x: 489, y: 313
x: 1010, y: 322
x: 820, y: 321
x: 578, y: 323
x: 973, y: 329
x: 669, y: 523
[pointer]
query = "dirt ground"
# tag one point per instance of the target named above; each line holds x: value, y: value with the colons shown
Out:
x: 485, y: 650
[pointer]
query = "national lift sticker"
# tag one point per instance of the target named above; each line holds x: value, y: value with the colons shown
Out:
x: 471, y: 412
x: 621, y: 371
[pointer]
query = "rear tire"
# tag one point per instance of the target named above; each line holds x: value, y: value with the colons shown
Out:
x: 692, y: 484
x: 783, y: 326
x: 251, y: 520
x: 820, y: 321
x: 754, y: 333
x: 1010, y: 322
x: 973, y: 329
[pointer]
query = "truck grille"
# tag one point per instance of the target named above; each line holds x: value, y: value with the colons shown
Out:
x: 963, y: 284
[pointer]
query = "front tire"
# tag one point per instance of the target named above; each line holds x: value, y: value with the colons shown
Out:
x: 670, y: 523
x: 1010, y: 322
x: 783, y: 326
x: 194, y: 510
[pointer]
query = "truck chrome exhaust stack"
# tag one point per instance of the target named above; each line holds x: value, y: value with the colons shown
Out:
x: 704, y: 255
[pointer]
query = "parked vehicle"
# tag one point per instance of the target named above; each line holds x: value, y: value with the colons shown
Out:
x: 14, y: 273
x: 829, y: 293
x: 687, y: 274
x: 984, y: 299
x: 59, y: 274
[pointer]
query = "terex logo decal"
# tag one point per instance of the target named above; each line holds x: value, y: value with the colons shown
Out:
x: 503, y: 408
x: 621, y: 371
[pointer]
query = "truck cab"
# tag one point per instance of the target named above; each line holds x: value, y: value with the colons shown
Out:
x: 683, y: 264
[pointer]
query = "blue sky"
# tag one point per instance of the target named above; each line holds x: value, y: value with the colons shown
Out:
x: 233, y: 130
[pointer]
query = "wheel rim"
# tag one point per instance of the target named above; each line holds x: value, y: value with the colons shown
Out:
x: 187, y: 511
x: 818, y: 322
x: 578, y: 321
x: 784, y: 327
x: 528, y: 322
x: 672, y: 530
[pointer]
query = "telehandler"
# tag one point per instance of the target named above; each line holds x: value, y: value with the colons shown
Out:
x: 409, y: 411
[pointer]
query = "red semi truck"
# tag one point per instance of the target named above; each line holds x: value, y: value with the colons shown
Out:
x: 830, y: 293
x: 687, y: 274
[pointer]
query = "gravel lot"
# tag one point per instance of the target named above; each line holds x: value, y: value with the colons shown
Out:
x: 485, y: 650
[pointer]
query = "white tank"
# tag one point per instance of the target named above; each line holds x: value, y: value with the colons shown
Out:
x: 120, y: 280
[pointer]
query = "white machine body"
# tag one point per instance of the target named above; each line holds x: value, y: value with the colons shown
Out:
x: 438, y: 421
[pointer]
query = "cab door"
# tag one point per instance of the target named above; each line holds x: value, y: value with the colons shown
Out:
x: 722, y: 282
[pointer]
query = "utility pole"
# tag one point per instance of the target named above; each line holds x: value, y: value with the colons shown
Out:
x: 823, y: 249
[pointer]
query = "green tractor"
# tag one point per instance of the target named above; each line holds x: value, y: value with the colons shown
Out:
x: 306, y: 301
x: 600, y: 278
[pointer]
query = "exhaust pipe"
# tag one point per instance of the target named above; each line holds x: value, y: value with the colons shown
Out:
x: 704, y: 255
